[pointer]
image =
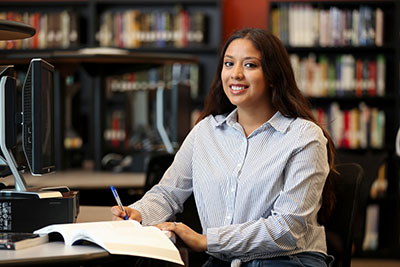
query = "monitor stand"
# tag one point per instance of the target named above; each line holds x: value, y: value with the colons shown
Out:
x: 21, y: 187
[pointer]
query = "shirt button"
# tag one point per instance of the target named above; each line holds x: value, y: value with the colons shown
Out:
x: 239, y: 165
x: 233, y: 189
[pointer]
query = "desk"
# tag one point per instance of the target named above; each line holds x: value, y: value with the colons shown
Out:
x: 94, y: 186
x: 57, y: 252
x: 52, y: 252
x: 77, y: 180
x: 94, y: 214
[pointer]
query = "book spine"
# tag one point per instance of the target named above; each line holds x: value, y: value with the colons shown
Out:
x: 372, y: 78
x: 380, y: 75
x: 379, y: 18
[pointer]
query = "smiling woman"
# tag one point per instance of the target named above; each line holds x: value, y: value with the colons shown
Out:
x: 256, y: 162
x: 245, y: 85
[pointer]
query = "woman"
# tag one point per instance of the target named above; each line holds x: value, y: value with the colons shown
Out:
x: 256, y: 162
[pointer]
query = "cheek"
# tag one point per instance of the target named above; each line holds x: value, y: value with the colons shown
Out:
x: 260, y: 81
x: 224, y: 77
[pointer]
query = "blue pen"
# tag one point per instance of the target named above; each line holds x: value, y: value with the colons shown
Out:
x: 114, y: 191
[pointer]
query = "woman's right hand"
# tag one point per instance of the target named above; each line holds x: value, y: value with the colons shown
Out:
x: 118, y: 214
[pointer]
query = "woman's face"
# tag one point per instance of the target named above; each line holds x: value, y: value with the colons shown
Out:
x: 242, y: 75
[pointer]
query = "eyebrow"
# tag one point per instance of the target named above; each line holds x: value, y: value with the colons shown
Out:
x: 246, y: 58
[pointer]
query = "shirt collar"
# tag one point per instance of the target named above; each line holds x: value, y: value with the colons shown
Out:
x: 280, y: 122
x: 277, y: 121
x: 229, y: 119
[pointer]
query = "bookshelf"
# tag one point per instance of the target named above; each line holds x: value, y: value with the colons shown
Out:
x: 116, y: 61
x: 346, y: 56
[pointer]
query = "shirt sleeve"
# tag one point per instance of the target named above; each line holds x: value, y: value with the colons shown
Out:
x: 166, y: 198
x: 294, y: 210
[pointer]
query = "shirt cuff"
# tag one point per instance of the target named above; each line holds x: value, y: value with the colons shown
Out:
x: 212, y: 240
x: 138, y: 206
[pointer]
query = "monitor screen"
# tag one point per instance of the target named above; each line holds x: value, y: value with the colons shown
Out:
x: 38, y: 117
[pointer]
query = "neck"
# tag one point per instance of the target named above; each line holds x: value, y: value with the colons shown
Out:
x: 250, y: 120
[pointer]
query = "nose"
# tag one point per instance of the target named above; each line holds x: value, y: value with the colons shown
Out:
x: 237, y: 72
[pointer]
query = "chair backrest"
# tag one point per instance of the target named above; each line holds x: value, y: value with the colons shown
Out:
x: 370, y: 162
x: 340, y: 226
x: 156, y: 166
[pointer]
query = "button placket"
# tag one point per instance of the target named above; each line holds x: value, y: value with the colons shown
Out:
x: 233, y: 185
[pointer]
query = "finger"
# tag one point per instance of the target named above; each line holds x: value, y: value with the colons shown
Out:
x: 117, y: 212
x: 167, y: 226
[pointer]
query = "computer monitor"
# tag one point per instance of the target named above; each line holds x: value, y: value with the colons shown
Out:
x: 37, y: 121
x: 38, y: 117
x: 8, y: 83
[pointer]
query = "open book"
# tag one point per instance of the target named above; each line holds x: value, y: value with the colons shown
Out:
x: 119, y: 237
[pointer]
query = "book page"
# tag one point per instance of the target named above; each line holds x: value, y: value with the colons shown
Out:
x: 120, y: 237
x: 96, y: 231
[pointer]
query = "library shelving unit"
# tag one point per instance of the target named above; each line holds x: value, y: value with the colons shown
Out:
x: 346, y: 56
x: 113, y: 58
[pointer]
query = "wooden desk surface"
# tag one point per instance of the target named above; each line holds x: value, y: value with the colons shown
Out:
x: 83, y: 180
x: 53, y: 252
x: 94, y: 214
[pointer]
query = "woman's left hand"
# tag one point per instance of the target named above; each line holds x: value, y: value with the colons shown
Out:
x: 194, y: 240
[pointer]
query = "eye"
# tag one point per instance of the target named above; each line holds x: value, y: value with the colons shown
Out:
x: 228, y: 64
x: 250, y: 65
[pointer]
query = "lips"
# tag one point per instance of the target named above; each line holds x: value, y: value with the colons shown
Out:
x: 238, y: 88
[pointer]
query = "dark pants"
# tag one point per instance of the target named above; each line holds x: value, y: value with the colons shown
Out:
x: 305, y: 259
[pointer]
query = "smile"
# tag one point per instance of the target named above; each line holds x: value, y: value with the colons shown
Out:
x: 238, y: 87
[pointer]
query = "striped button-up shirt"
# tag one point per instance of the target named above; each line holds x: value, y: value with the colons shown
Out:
x: 256, y: 196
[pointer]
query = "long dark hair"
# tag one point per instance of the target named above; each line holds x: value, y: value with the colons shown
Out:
x: 284, y: 94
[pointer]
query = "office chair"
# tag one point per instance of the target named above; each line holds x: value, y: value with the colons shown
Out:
x: 370, y: 163
x: 340, y: 226
x: 156, y: 166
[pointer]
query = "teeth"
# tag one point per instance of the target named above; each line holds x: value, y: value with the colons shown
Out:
x: 237, y: 88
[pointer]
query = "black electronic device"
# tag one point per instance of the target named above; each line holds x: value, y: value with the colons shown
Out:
x: 37, y: 117
x: 37, y: 127
x: 25, y: 209
x: 8, y: 125
x: 24, y: 214
x: 10, y: 105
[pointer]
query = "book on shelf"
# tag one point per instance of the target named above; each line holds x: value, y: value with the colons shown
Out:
x: 42, y: 34
x: 53, y: 29
x: 341, y: 75
x: 135, y: 28
x: 308, y: 25
x: 371, y: 234
x: 119, y: 237
x: 359, y: 78
x: 362, y: 127
x: 346, y: 135
x: 16, y: 241
x: 372, y: 78
x: 379, y: 27
x: 380, y: 75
